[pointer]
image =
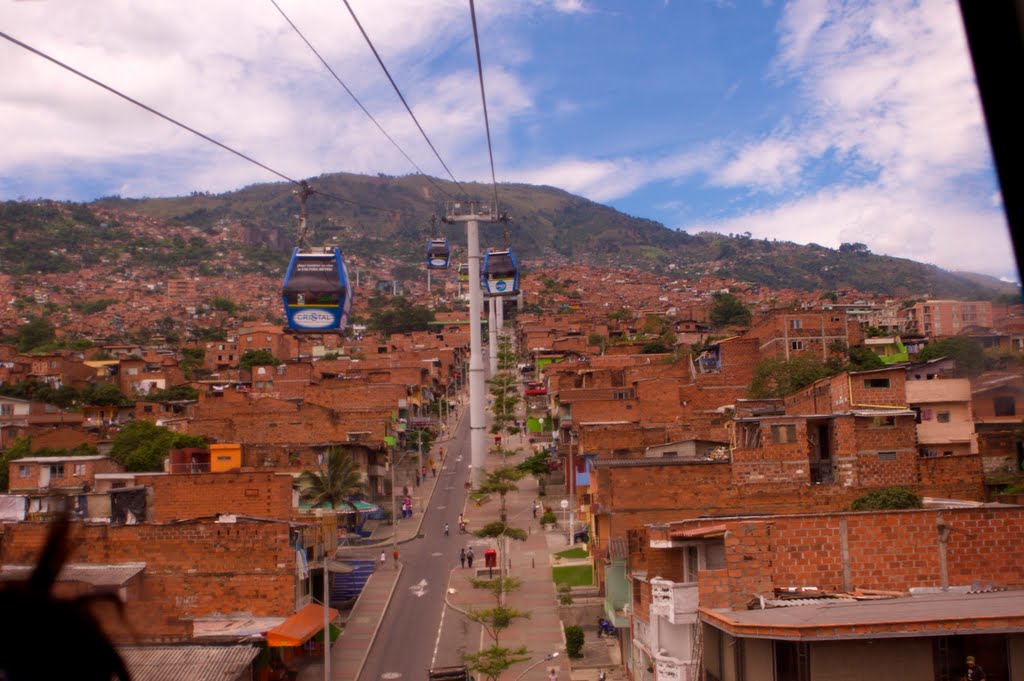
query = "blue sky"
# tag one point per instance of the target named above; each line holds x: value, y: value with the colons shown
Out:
x: 809, y: 121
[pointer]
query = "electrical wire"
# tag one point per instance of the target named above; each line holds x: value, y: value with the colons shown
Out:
x: 356, y: 100
x: 401, y: 97
x: 167, y: 118
x: 483, y: 98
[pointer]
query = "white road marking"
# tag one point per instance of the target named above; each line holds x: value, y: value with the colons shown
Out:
x: 419, y: 590
x: 437, y: 642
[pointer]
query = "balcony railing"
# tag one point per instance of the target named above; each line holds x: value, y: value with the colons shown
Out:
x: 675, y: 602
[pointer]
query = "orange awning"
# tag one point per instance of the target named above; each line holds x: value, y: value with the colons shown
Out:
x: 300, y: 627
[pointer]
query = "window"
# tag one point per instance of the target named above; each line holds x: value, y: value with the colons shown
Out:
x: 796, y: 345
x: 796, y: 324
x: 714, y: 555
x: 24, y: 471
x: 622, y: 395
x: 1004, y: 406
x: 882, y: 422
x: 876, y: 382
x: 942, y: 417
x: 784, y: 434
x: 79, y: 470
x: 691, y: 565
x: 56, y: 470
x: 886, y: 456
x: 6, y: 410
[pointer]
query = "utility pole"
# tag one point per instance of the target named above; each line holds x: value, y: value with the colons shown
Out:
x: 327, y: 607
x: 492, y: 333
x: 394, y: 505
x: 472, y: 213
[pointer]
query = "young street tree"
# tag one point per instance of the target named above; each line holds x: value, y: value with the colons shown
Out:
x: 504, y: 400
x: 500, y: 481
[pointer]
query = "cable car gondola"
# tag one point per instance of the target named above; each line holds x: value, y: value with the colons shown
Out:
x: 316, y: 292
x: 438, y: 254
x: 500, y: 274
x: 464, y: 271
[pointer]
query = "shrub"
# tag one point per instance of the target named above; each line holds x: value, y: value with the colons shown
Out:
x: 574, y: 641
x: 548, y: 518
x: 891, y: 498
x: 565, y: 594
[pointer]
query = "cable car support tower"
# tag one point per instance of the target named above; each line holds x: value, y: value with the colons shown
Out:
x: 473, y: 213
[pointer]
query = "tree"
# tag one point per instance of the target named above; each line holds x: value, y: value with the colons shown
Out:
x: 890, y: 498
x: 491, y: 662
x: 777, y: 377
x: 104, y: 395
x: 398, y: 315
x: 728, y: 310
x: 966, y: 351
x: 143, y: 445
x: 33, y: 333
x: 504, y: 400
x: 224, y: 305
x: 252, y: 358
x: 497, y: 619
x: 864, y: 359
x: 173, y: 394
x: 500, y: 481
x: 21, y: 448
x: 335, y: 484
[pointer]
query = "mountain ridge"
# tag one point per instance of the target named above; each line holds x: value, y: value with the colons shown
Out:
x: 367, y: 212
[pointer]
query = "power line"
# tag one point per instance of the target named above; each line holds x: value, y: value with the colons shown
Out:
x: 483, y: 98
x: 144, y: 106
x: 399, y: 92
x: 180, y: 124
x: 356, y: 100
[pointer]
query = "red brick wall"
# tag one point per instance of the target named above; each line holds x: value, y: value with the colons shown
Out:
x: 192, y: 569
x: 887, y: 550
x: 259, y: 494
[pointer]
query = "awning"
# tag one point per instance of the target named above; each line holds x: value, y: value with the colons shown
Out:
x: 300, y: 627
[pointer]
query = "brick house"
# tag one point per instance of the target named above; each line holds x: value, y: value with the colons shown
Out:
x: 937, y: 318
x: 787, y: 333
x: 830, y: 596
x: 997, y: 401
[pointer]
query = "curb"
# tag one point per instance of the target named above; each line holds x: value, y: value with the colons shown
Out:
x: 376, y: 628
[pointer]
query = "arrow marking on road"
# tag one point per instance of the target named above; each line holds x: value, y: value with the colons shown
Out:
x: 419, y: 589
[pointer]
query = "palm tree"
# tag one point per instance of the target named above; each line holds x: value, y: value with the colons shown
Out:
x: 341, y: 480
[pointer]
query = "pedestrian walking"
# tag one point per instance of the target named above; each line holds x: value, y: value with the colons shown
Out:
x: 469, y: 557
x: 394, y: 554
x: 535, y: 506
x: 433, y: 469
x: 553, y: 675
x: 462, y: 556
x: 446, y: 529
x: 383, y: 558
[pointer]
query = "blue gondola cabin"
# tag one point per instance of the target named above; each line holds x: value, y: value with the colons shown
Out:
x: 500, y: 275
x: 316, y: 293
x: 438, y: 253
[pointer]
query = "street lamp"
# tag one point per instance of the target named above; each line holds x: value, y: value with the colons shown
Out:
x: 546, y: 658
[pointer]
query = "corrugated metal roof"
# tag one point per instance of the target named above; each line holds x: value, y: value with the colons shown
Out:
x: 618, y: 548
x: 97, y: 575
x: 189, y: 663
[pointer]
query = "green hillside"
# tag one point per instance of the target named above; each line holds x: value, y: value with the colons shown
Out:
x: 374, y: 215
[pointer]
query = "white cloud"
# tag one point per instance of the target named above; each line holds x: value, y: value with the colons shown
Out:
x: 256, y: 87
x: 945, y: 233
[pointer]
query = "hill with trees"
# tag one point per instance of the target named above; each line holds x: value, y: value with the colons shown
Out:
x: 371, y: 215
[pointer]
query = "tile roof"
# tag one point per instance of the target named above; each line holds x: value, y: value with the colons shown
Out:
x: 189, y: 663
x: 97, y: 575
